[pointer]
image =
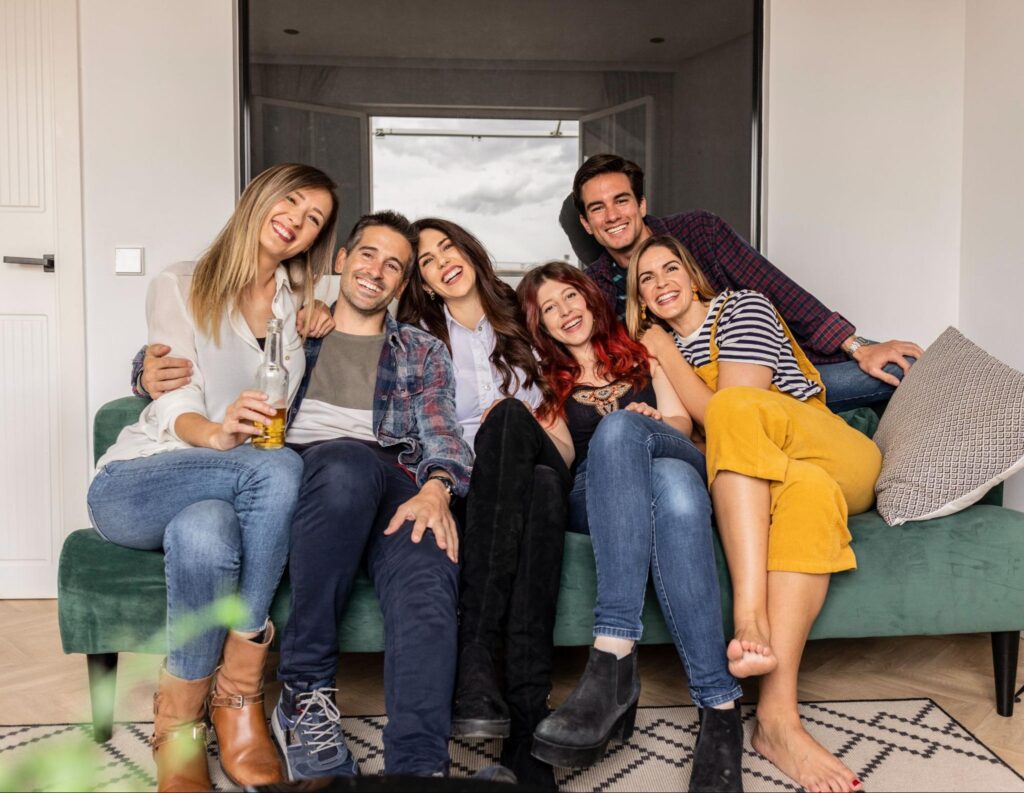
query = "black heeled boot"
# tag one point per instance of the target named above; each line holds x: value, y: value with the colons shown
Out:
x: 479, y: 710
x: 602, y: 706
x: 718, y: 755
x: 529, y: 636
x: 495, y: 514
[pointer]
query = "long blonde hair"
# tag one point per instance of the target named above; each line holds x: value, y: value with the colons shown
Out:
x: 635, y: 324
x: 230, y: 264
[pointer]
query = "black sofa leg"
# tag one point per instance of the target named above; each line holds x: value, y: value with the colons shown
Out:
x: 1005, y: 648
x: 102, y: 680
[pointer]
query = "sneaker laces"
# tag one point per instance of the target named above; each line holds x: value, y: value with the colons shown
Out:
x: 326, y: 734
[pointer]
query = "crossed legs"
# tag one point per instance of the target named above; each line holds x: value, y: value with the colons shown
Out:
x: 773, y: 614
x: 784, y: 477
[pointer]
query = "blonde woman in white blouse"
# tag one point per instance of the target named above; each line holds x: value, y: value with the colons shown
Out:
x: 184, y: 479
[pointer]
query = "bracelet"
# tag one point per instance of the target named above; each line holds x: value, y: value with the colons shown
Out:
x: 856, y: 344
x: 446, y: 483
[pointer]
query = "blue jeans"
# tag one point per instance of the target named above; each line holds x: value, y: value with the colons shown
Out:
x: 642, y: 491
x: 847, y: 386
x: 350, y: 491
x: 222, y: 520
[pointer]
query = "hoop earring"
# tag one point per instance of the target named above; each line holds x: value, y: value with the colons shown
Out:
x: 643, y: 312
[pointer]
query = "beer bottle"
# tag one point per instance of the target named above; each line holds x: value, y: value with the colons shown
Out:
x: 272, y: 380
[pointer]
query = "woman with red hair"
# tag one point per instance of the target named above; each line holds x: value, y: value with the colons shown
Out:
x: 640, y: 491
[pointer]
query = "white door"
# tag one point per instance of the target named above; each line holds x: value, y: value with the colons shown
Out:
x: 44, y: 466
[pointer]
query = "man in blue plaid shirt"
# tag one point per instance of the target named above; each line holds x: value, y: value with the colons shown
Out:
x: 608, y: 194
x: 374, y: 421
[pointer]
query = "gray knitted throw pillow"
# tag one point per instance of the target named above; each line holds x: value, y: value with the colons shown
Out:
x: 953, y: 430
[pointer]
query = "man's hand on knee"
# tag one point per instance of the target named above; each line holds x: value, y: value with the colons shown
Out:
x: 872, y: 358
x: 428, y: 509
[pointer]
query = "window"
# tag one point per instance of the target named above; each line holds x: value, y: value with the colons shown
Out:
x: 502, y: 179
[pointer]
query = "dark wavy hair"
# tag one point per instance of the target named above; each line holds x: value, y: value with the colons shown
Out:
x: 599, y: 164
x: 618, y: 356
x: 512, y: 347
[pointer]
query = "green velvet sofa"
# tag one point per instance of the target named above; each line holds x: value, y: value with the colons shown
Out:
x: 959, y: 574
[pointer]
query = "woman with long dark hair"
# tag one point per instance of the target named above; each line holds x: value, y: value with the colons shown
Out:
x: 640, y: 491
x: 516, y: 510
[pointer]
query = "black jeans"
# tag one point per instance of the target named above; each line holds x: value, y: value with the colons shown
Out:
x: 350, y: 491
x: 516, y: 515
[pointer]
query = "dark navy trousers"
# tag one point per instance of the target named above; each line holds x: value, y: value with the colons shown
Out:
x: 350, y: 491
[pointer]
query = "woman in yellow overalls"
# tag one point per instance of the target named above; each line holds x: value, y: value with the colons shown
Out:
x: 784, y: 471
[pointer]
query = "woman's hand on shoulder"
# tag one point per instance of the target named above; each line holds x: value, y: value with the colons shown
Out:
x: 645, y: 410
x: 316, y: 322
x: 657, y: 340
x: 240, y: 421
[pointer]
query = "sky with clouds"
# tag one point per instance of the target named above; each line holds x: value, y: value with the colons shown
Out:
x: 506, y: 191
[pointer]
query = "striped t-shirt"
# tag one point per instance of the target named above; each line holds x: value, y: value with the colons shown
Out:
x: 749, y: 331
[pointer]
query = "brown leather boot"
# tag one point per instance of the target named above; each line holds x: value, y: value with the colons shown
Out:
x: 247, y: 752
x: 179, y: 734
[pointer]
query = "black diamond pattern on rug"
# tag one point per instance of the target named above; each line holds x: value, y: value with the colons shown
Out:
x: 905, y: 745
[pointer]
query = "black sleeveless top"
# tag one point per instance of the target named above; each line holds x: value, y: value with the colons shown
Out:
x: 587, y: 405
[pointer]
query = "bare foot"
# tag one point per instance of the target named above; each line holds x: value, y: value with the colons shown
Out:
x: 789, y: 747
x: 750, y: 654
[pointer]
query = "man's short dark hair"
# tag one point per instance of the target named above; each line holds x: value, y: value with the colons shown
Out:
x: 395, y: 221
x: 606, y: 163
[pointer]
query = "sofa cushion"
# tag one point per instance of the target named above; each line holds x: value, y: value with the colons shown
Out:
x: 953, y: 429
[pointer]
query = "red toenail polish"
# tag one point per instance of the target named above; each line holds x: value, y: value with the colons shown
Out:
x: 855, y: 783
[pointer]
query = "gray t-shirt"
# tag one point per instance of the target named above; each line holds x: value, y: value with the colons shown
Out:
x: 339, y: 399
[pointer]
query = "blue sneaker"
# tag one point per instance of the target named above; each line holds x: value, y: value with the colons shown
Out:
x: 307, y: 728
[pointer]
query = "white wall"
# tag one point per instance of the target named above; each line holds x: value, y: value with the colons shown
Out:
x: 992, y: 265
x: 158, y: 146
x: 863, y: 148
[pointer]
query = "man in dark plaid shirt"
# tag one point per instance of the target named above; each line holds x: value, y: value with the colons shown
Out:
x: 608, y: 193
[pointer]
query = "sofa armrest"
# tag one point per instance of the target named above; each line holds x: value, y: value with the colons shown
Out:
x: 111, y: 419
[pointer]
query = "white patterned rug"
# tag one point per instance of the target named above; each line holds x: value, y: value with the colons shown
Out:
x: 900, y: 745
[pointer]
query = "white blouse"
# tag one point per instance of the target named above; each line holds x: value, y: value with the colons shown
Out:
x: 219, y: 372
x: 477, y: 381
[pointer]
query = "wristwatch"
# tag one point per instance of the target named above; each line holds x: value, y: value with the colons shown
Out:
x: 445, y: 480
x: 856, y: 344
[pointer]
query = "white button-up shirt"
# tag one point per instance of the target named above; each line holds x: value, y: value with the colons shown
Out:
x: 477, y: 380
x: 220, y: 372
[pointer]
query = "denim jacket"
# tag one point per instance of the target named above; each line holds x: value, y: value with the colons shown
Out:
x: 413, y: 402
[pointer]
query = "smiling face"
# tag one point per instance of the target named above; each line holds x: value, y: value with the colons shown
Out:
x: 564, y: 313
x: 612, y: 213
x: 445, y: 269
x: 294, y: 222
x: 664, y: 285
x: 374, y: 272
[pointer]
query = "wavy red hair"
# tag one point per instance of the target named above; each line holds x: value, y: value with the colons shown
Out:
x: 618, y: 356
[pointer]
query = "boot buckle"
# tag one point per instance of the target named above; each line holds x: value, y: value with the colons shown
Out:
x: 235, y: 701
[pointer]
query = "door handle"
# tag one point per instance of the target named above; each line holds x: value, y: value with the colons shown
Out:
x: 47, y: 262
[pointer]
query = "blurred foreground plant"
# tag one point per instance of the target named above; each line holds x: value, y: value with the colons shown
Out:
x: 77, y: 763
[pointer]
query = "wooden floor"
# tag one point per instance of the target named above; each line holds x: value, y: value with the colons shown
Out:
x: 39, y: 684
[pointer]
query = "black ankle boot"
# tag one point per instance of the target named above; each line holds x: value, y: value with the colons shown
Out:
x: 602, y: 706
x: 718, y: 755
x: 479, y: 710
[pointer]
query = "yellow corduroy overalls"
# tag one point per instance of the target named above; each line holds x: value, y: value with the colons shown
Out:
x: 819, y: 468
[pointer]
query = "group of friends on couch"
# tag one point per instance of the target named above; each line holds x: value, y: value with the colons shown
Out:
x: 448, y: 449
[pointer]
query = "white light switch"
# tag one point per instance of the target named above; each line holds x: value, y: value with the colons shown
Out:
x: 128, y: 261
